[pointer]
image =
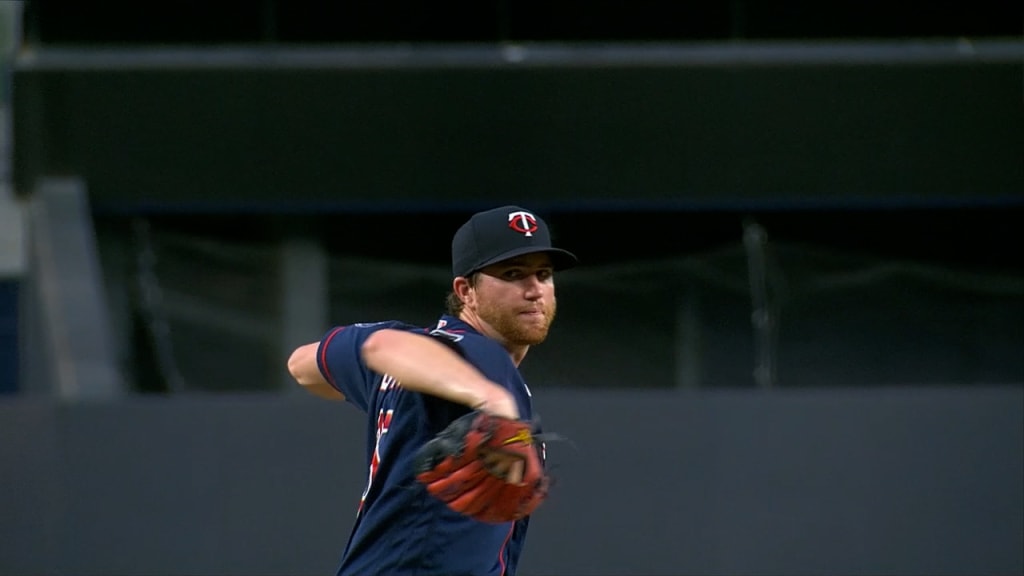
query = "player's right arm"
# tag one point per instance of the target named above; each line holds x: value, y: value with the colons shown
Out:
x: 341, y: 366
x: 424, y: 364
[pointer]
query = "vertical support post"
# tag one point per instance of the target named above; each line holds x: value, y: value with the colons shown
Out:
x: 763, y: 316
x: 75, y: 332
x: 688, y: 339
x: 12, y: 229
x: 13, y: 262
x: 304, y: 298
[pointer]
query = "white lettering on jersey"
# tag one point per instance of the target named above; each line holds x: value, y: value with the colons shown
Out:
x: 383, y: 424
x: 446, y: 334
x: 388, y: 382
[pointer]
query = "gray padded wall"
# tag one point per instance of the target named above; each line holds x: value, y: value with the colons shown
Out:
x: 883, y: 481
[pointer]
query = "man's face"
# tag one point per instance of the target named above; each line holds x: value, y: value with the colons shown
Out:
x: 516, y: 298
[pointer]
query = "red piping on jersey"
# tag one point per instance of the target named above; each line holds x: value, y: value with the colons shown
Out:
x: 323, y: 357
x: 501, y: 551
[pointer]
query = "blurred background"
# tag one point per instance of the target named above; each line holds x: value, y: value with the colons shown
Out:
x: 795, y: 344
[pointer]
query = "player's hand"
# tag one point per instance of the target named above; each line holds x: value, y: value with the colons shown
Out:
x: 499, y: 402
x: 503, y: 465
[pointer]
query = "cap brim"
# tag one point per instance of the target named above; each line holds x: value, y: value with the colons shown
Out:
x: 560, y: 259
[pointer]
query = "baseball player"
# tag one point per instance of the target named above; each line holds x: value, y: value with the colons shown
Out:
x: 414, y: 382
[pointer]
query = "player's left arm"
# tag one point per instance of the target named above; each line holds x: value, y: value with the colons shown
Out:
x: 303, y: 367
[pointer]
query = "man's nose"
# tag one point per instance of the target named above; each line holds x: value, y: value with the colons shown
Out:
x: 534, y: 287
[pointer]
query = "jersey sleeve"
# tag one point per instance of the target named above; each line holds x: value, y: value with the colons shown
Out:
x: 341, y: 362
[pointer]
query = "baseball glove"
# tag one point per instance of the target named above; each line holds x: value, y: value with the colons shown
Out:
x: 457, y: 466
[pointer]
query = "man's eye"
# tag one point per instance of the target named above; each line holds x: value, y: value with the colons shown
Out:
x: 519, y: 274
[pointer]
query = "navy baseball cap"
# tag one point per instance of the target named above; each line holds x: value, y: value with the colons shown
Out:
x: 502, y: 233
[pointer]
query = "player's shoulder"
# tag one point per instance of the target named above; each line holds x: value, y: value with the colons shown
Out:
x: 368, y: 327
x: 378, y: 324
x: 466, y: 339
x: 357, y: 332
x: 475, y: 347
x: 459, y: 334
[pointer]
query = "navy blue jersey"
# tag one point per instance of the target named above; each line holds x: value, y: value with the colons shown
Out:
x: 400, y: 528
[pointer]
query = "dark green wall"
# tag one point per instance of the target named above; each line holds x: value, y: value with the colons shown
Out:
x: 552, y: 137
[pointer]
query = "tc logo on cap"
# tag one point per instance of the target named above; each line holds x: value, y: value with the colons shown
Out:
x: 522, y: 222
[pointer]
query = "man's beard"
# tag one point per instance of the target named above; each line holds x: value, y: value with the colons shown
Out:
x: 515, y: 329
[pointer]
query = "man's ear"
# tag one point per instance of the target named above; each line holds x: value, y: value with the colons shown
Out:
x: 464, y: 290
